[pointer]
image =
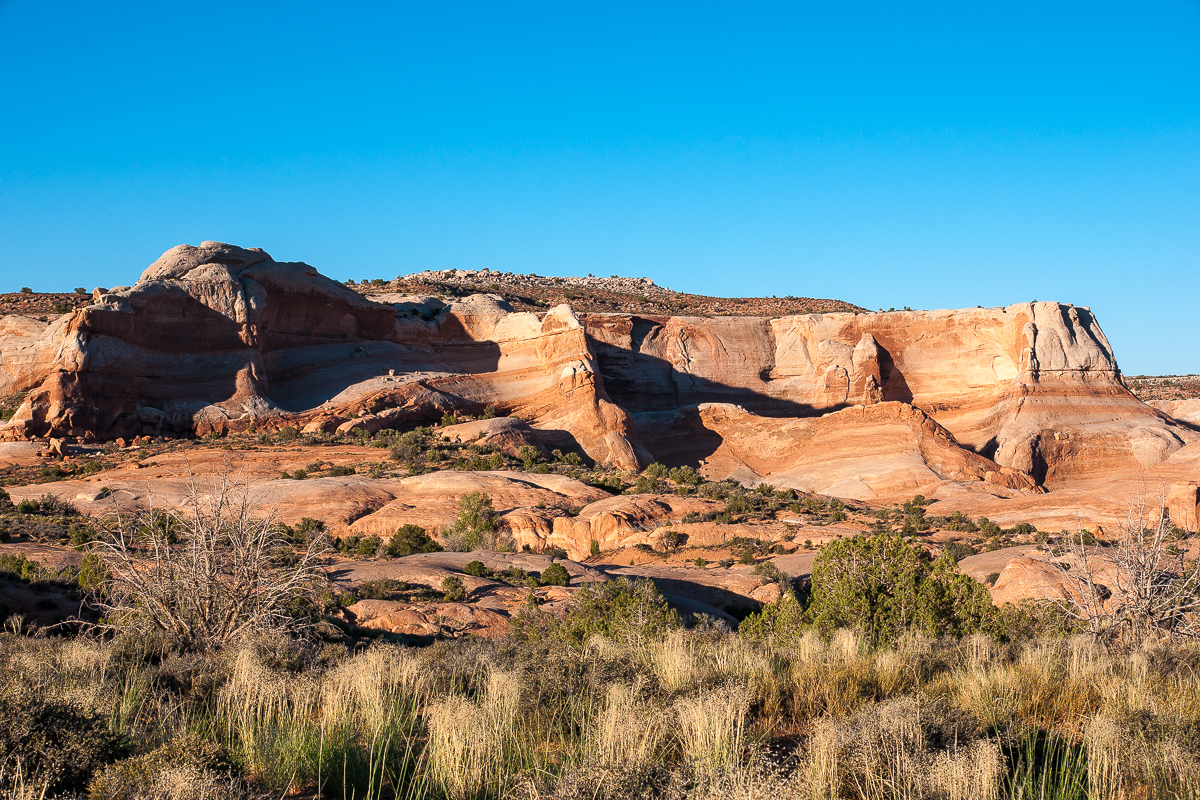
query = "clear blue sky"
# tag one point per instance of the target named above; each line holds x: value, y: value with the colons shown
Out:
x: 924, y: 154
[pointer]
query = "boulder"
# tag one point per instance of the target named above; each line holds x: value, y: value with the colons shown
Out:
x: 504, y: 434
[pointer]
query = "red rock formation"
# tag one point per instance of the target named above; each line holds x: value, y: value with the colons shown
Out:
x: 217, y: 337
x: 1016, y: 384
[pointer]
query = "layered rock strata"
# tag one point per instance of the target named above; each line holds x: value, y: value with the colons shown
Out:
x: 218, y: 337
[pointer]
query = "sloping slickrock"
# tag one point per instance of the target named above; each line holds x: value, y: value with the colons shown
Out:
x: 26, y: 352
x: 724, y: 589
x: 434, y: 619
x: 624, y: 521
x: 1183, y: 410
x: 861, y: 452
x: 505, y: 434
x: 431, y: 501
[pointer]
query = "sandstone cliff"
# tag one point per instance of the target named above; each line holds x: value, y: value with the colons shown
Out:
x: 1033, y: 386
x: 218, y: 337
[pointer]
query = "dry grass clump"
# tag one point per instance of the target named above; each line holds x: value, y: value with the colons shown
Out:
x: 712, y: 725
x: 630, y: 729
x: 469, y: 742
x: 902, y: 748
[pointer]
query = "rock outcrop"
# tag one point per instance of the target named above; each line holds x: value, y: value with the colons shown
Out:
x: 1033, y: 386
x: 218, y: 337
x: 1183, y: 410
x: 861, y: 452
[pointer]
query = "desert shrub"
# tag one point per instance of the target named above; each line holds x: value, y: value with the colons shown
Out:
x: 48, y: 506
x: 380, y: 589
x: 988, y: 528
x: 769, y: 573
x: 92, y: 574
x: 5, y: 500
x: 646, y: 485
x: 554, y: 552
x: 670, y: 539
x: 685, y: 476
x: 957, y: 550
x: 409, y: 539
x: 555, y: 575
x: 187, y: 768
x: 453, y: 590
x: 625, y: 610
x: 477, y: 569
x: 882, y: 585
x: 409, y: 447
x: 960, y: 522
x: 594, y: 548
x: 338, y: 472
x: 16, y: 566
x: 782, y: 621
x: 59, y: 744
x: 738, y: 504
x: 477, y: 526
x: 367, y: 546
x: 288, y: 433
x: 304, y: 531
x: 529, y: 456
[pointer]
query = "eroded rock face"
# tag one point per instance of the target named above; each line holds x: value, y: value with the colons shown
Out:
x: 219, y: 337
x: 1033, y: 386
x: 862, y: 452
x: 1183, y: 410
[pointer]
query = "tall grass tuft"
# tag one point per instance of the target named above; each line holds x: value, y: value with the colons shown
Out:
x: 629, y: 729
x: 712, y: 726
x: 474, y: 745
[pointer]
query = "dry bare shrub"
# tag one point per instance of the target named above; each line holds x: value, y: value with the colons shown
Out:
x: 209, y: 572
x: 1142, y: 588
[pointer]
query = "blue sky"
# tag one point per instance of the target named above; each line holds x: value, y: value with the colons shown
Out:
x: 932, y: 155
